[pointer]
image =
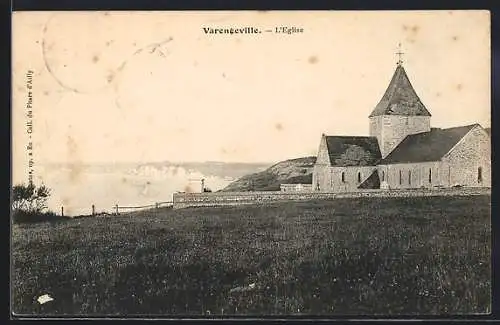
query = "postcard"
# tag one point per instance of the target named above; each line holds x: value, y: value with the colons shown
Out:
x: 229, y: 164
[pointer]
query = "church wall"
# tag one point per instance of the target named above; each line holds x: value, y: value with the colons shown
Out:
x: 321, y: 167
x: 390, y: 130
x: 459, y: 167
x: 412, y: 175
x: 330, y: 179
x: 321, y: 177
x: 376, y: 127
x: 470, y: 154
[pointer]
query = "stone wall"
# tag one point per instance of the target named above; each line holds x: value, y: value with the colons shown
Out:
x: 320, y: 177
x: 412, y: 175
x: 390, y: 130
x: 375, y: 128
x: 341, y: 179
x: 184, y: 200
x: 296, y: 187
x: 459, y: 167
x: 321, y: 167
x: 472, y: 153
x: 330, y: 178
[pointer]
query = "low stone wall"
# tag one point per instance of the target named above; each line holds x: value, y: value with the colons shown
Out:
x: 184, y: 200
x: 296, y: 187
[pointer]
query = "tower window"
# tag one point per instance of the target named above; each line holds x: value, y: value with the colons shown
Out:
x: 383, y: 176
x: 343, y: 177
x: 480, y: 175
x: 430, y: 175
x: 400, y: 177
x: 409, y: 177
x: 359, y: 177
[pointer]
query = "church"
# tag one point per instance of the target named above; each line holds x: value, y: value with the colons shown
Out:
x: 402, y: 150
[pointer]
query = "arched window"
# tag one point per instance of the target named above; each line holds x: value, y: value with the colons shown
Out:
x: 430, y: 175
x: 479, y: 175
x: 359, y: 177
x: 409, y: 177
x: 400, y: 177
x: 343, y: 177
x: 383, y: 176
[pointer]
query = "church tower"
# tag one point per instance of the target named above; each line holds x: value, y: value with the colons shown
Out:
x: 399, y: 113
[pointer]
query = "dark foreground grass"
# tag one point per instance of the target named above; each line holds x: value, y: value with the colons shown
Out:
x: 350, y: 256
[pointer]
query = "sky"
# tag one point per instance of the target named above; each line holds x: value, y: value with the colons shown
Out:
x: 152, y: 86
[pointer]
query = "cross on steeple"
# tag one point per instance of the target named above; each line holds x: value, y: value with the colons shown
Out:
x: 400, y: 54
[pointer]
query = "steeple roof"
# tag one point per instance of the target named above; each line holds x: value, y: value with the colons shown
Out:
x: 400, y: 98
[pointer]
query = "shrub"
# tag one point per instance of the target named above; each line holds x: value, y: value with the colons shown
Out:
x: 30, y: 198
x: 29, y: 203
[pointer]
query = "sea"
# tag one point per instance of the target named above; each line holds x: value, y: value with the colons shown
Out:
x: 75, y: 188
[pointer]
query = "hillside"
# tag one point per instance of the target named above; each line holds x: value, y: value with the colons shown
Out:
x: 292, y: 171
x: 382, y: 256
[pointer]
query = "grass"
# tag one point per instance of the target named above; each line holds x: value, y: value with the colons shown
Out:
x: 343, y: 257
x: 271, y: 178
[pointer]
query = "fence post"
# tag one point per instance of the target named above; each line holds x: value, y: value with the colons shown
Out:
x: 116, y: 207
x: 93, y: 210
x: 62, y: 211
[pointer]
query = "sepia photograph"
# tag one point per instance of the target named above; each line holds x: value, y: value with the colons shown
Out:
x: 252, y: 164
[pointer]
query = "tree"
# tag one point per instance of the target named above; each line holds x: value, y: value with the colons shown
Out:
x: 30, y: 198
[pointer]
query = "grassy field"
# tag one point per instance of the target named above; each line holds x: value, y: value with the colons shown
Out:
x: 343, y: 257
